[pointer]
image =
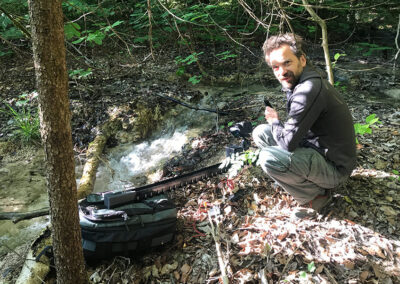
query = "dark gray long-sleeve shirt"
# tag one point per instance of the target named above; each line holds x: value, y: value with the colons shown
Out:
x: 318, y: 117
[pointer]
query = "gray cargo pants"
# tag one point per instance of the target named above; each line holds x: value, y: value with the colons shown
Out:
x: 303, y: 173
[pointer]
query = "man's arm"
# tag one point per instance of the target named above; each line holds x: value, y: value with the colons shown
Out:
x: 305, y: 106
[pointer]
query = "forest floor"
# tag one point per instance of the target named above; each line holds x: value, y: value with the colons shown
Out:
x: 256, y: 238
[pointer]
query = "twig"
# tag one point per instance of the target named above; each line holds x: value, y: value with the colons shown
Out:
x: 398, y: 51
x: 221, y: 261
x: 120, y: 38
x: 176, y: 17
x: 16, y: 23
x: 16, y: 49
x: 150, y: 29
x: 330, y: 276
x: 87, y: 60
x: 336, y: 8
x: 289, y: 260
x: 360, y: 70
x: 189, y: 106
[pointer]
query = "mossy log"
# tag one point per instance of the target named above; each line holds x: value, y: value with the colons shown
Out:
x: 94, y: 151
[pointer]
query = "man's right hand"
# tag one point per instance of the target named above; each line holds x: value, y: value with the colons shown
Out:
x: 270, y: 115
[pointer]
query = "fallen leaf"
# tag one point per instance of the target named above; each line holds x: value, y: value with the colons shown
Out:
x: 364, y: 275
x: 185, y: 268
x: 154, y: 271
x: 375, y: 251
x: 319, y: 269
x: 169, y: 267
x: 363, y: 252
x: 283, y: 236
x: 389, y: 211
x: 177, y: 275
x: 389, y: 198
x: 347, y: 199
x: 378, y: 271
x: 349, y: 264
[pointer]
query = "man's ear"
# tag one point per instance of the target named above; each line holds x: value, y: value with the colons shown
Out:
x: 303, y: 60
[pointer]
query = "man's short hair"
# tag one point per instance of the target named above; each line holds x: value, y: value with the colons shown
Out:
x: 295, y: 43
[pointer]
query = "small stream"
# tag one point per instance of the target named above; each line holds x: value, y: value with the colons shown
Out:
x: 141, y: 163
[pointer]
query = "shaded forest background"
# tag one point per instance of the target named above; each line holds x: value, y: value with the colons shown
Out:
x: 188, y: 30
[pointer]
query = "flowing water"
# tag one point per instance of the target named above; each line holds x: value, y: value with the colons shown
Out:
x: 141, y: 163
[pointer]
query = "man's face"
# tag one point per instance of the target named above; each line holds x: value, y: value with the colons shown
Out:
x: 286, y: 66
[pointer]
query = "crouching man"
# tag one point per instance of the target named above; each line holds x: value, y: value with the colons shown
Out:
x: 313, y: 151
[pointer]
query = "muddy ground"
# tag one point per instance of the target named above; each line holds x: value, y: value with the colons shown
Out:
x: 355, y: 240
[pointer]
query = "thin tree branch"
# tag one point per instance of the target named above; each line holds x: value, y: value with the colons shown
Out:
x: 324, y: 44
x: 398, y: 50
x: 150, y: 29
x: 333, y: 8
x: 16, y: 23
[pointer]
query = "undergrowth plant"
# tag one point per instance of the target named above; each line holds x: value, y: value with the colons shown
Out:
x: 397, y: 173
x: 80, y: 73
x: 26, y: 124
x: 238, y: 160
x: 184, y: 62
x: 368, y: 49
x: 310, y: 270
x: 365, y: 128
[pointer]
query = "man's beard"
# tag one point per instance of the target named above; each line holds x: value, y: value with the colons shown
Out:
x: 292, y: 80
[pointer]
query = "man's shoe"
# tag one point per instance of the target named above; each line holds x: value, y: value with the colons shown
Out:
x: 319, y: 202
x: 310, y: 208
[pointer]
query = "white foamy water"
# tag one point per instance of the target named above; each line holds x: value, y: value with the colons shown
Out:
x: 128, y: 165
x: 131, y: 164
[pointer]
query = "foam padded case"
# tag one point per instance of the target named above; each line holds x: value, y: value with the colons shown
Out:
x: 127, y: 228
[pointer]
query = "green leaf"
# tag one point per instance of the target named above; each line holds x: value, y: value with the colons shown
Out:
x: 303, y: 274
x: 180, y: 71
x: 311, y: 267
x: 395, y: 172
x: 209, y: 7
x: 97, y: 37
x: 370, y: 117
x: 71, y: 30
x: 79, y: 40
x: 347, y: 199
x: 225, y: 55
x: 195, y: 79
x: 117, y: 23
x: 230, y: 123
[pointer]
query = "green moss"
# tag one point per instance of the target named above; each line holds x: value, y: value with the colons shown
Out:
x: 147, y: 120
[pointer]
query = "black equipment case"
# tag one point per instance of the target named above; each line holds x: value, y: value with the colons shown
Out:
x: 121, y: 230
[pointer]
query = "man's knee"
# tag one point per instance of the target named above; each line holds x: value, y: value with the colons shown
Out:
x: 261, y: 134
x: 274, y: 161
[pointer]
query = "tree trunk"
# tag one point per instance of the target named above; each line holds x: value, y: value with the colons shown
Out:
x: 52, y: 84
x: 324, y: 44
